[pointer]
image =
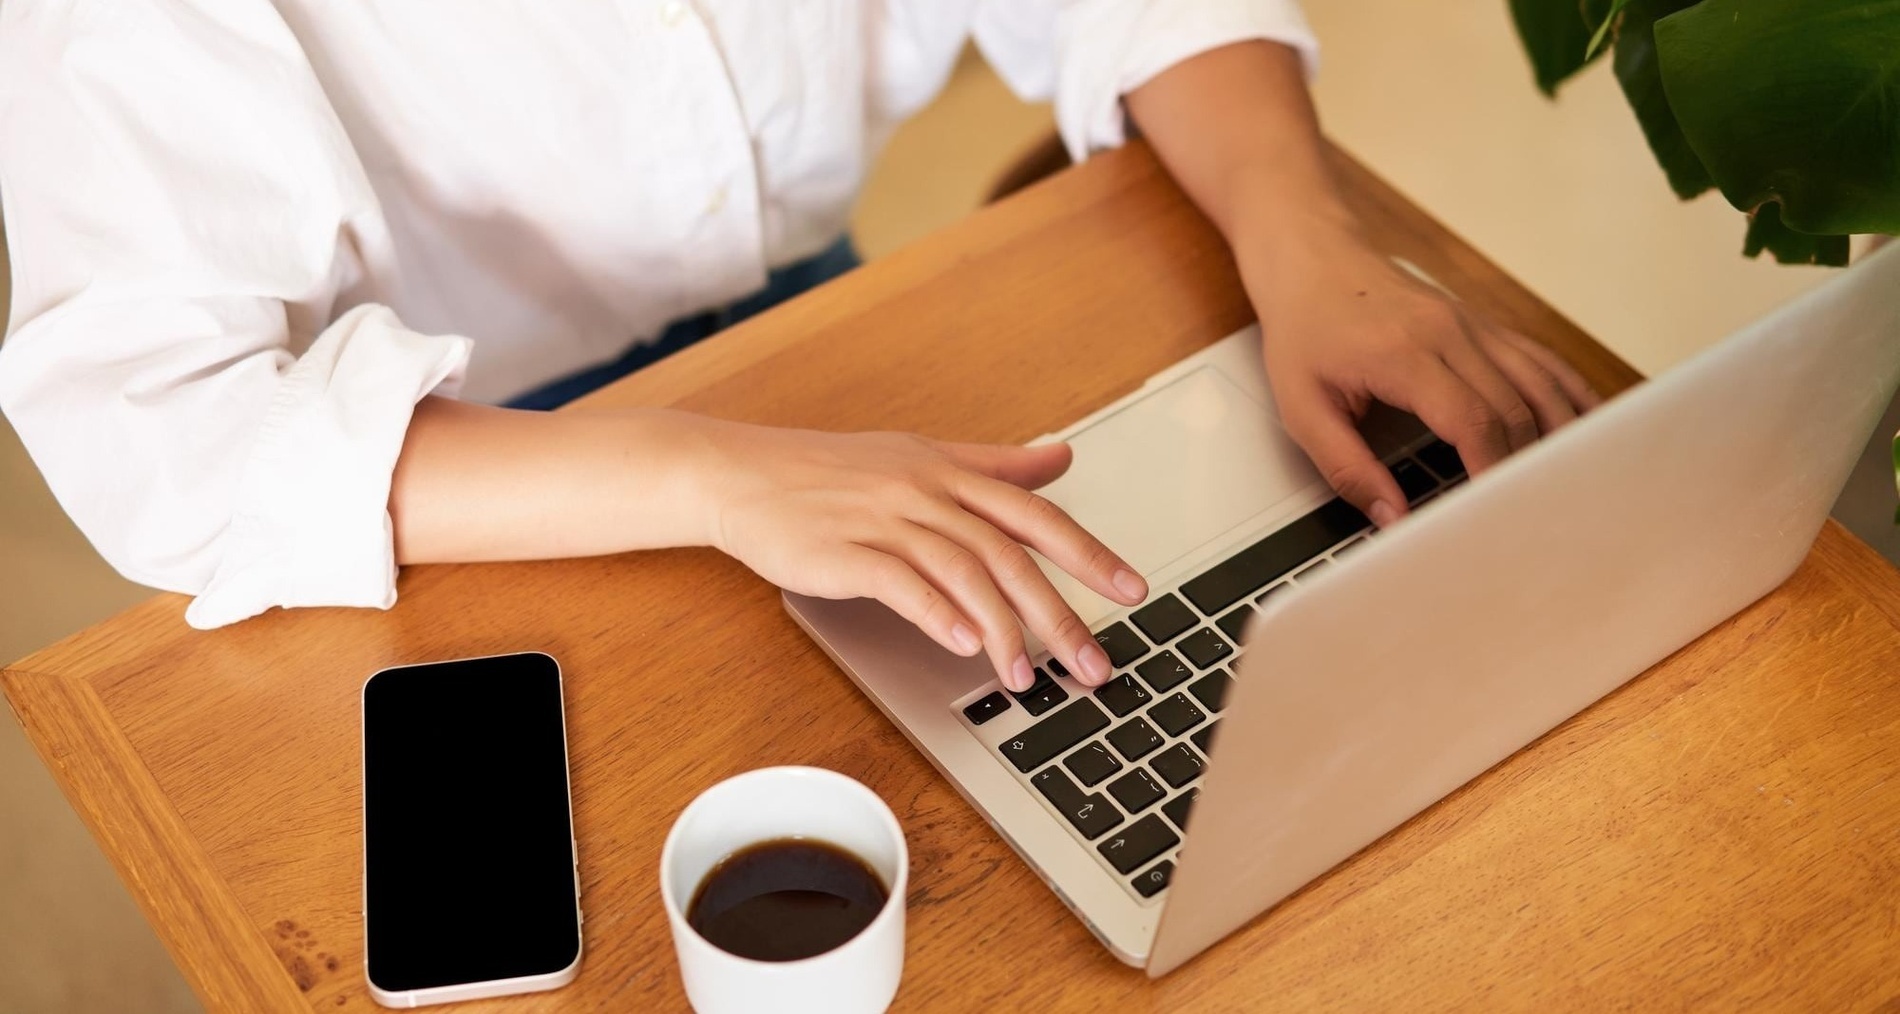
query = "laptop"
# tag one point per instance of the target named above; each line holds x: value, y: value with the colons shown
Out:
x: 1297, y: 684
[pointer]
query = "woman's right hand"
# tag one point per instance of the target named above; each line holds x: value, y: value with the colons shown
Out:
x: 934, y: 530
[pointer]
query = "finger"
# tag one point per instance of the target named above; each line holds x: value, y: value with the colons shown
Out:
x: 1471, y: 361
x: 1581, y: 394
x: 1028, y: 591
x: 1534, y: 384
x: 1028, y: 467
x: 868, y: 573
x: 959, y: 573
x: 1324, y: 429
x: 1427, y: 388
x: 1034, y: 520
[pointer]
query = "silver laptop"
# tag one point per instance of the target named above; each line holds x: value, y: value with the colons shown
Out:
x: 1380, y: 671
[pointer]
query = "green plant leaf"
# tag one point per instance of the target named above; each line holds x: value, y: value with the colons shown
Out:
x: 1641, y: 77
x: 1795, y: 101
x: 1556, y: 36
x: 1603, y: 29
x: 1766, y: 232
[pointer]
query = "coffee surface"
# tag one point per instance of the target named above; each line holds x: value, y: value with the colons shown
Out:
x: 786, y: 899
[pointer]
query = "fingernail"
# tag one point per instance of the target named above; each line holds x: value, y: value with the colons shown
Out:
x: 1020, y: 676
x: 1130, y: 584
x: 965, y: 639
x: 1094, y: 663
x: 1382, y: 513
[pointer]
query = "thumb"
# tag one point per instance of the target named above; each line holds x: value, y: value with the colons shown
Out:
x: 1028, y: 467
x: 1326, y: 432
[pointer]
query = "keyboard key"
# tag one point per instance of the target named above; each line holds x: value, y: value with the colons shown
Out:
x: 1164, y: 672
x: 1204, y: 647
x: 1164, y: 619
x: 1136, y: 791
x: 1042, y: 695
x: 1123, y: 694
x: 1261, y: 599
x: 1089, y: 813
x: 1057, y: 788
x: 1177, y: 764
x: 1176, y: 714
x: 1414, y: 481
x: 1313, y: 571
x: 1211, y: 689
x: 1357, y: 543
x: 1092, y: 763
x: 1180, y: 806
x: 1274, y: 556
x: 1060, y: 731
x: 1443, y: 459
x: 1205, y: 738
x: 1122, y: 644
x: 1150, y: 883
x: 1134, y: 738
x: 1235, y: 623
x: 1058, y: 668
x: 987, y: 708
x: 1131, y: 847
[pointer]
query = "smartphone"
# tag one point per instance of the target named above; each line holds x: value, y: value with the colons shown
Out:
x: 471, y: 879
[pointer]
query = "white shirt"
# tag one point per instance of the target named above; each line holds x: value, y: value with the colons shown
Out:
x: 247, y: 238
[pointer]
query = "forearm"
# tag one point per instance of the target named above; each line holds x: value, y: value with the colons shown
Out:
x: 1237, y: 130
x: 481, y: 483
x: 934, y: 530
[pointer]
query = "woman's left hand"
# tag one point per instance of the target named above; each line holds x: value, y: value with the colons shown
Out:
x: 1342, y: 325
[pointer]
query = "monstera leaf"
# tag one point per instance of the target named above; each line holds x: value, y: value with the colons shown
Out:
x: 1640, y: 73
x: 1767, y: 232
x: 1557, y: 36
x: 1795, y: 102
x: 1790, y: 107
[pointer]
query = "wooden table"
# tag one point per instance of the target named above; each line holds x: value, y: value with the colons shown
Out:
x: 1724, y: 832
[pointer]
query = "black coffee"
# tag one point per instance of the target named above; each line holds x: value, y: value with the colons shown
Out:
x: 786, y: 899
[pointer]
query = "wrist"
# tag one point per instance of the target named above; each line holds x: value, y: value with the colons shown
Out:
x: 710, y: 468
x: 1300, y: 260
x: 1284, y: 228
x: 672, y: 468
x: 709, y: 453
x: 1303, y: 259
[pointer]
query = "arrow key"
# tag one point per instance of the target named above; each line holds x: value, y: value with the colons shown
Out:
x: 1089, y: 813
x: 1130, y: 848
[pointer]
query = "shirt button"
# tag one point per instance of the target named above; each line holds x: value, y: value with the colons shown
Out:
x: 672, y: 12
x: 717, y: 202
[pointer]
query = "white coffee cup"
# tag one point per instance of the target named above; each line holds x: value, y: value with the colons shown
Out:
x: 859, y: 976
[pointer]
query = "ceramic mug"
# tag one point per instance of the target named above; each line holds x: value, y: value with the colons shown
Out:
x: 859, y: 976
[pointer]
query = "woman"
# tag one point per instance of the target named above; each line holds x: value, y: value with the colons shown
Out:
x: 281, y: 268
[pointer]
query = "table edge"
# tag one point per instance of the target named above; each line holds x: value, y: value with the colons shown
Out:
x: 165, y: 870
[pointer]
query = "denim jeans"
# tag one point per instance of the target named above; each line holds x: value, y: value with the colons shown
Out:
x: 780, y: 286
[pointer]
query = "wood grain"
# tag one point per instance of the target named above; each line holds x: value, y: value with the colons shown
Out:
x: 1723, y: 832
x: 171, y: 877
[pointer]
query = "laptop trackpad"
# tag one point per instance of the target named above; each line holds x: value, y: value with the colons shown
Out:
x: 1171, y: 470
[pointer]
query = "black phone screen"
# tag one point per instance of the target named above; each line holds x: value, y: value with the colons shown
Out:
x: 469, y: 868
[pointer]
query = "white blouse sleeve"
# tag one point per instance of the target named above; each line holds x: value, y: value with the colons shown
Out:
x: 185, y: 216
x: 1087, y: 54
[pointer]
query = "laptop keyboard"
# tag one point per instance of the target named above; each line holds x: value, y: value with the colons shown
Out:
x: 1120, y: 764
